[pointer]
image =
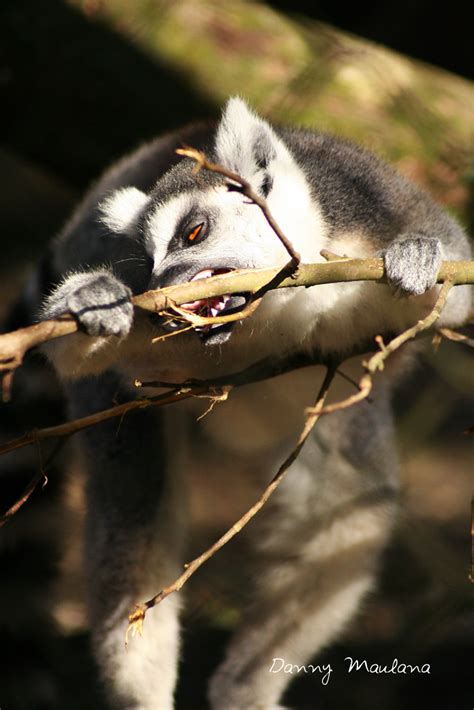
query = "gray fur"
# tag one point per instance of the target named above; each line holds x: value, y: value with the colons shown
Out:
x: 98, y: 300
x: 319, y: 541
x: 412, y: 263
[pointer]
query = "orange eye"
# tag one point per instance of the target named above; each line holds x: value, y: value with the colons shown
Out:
x: 194, y: 233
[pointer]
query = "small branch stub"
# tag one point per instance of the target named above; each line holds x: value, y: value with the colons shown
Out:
x: 135, y: 622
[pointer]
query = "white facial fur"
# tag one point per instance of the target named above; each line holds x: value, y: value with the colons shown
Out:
x: 239, y: 232
x: 120, y: 211
x: 290, y: 200
x: 240, y: 229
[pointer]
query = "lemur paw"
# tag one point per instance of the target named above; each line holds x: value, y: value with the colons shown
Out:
x: 98, y: 300
x: 412, y: 263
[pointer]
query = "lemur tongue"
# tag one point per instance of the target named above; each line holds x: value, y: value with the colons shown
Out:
x: 208, y: 306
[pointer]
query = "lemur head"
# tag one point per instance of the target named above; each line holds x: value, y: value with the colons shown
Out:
x: 194, y: 226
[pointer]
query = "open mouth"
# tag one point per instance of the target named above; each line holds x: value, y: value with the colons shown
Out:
x: 211, y: 307
x: 208, y: 307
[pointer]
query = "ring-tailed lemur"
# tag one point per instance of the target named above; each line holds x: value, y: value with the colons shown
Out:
x: 149, y: 223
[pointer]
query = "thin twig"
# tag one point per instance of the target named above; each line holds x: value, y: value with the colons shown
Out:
x: 72, y: 427
x: 245, y: 188
x: 33, y: 484
x: 376, y: 362
x: 136, y: 618
x: 261, y: 370
x: 196, y: 320
x: 455, y: 336
x: 349, y: 379
x: 242, y: 185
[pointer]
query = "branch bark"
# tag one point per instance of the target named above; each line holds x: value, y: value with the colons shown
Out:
x: 14, y: 345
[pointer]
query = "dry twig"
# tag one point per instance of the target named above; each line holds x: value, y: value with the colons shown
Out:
x: 377, y: 361
x: 176, y: 395
x: 245, y: 188
x: 33, y: 484
x: 137, y: 617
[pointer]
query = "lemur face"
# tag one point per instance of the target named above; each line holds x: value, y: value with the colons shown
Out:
x: 197, y: 235
x: 196, y: 226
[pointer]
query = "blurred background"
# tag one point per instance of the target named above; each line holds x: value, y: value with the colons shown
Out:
x: 82, y: 82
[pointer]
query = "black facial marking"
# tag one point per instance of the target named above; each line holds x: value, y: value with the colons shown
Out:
x: 180, y: 178
x: 262, y: 147
x: 266, y: 185
x: 186, y: 224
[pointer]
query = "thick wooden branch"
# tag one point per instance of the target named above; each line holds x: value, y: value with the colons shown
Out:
x: 253, y: 282
x: 13, y: 346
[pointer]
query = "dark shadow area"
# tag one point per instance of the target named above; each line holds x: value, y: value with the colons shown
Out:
x: 75, y: 97
x: 437, y: 33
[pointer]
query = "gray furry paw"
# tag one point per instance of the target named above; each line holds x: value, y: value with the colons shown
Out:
x: 98, y: 300
x: 412, y: 263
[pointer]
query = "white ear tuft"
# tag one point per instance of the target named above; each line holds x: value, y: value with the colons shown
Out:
x: 121, y: 209
x: 245, y: 143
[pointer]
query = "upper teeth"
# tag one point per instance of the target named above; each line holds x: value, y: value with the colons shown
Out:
x: 213, y: 304
x: 194, y: 305
x: 206, y: 274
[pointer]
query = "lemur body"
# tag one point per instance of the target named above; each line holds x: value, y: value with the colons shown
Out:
x: 150, y: 223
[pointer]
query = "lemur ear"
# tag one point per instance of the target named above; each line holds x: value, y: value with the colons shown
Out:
x: 247, y: 145
x: 121, y: 209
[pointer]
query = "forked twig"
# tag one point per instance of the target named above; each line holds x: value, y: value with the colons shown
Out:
x: 137, y: 617
x: 376, y: 362
x: 33, y: 483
